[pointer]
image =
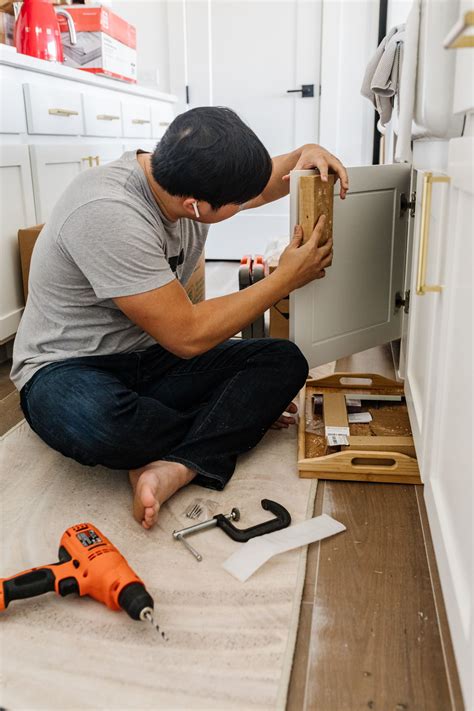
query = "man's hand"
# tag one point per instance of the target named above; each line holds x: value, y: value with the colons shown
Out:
x: 304, y: 262
x: 284, y: 421
x: 314, y: 156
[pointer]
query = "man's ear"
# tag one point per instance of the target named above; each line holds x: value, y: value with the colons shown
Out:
x: 191, y: 207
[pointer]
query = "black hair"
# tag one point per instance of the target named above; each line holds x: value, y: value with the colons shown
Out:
x: 209, y: 153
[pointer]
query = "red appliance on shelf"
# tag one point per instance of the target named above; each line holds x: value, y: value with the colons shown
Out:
x: 37, y: 30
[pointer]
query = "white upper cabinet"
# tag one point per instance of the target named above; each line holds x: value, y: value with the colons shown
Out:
x: 355, y: 306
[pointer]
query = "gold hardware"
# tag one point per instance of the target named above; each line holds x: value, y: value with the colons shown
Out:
x: 428, y: 180
x: 62, y: 112
x: 141, y: 121
x: 107, y: 117
x: 89, y: 160
x: 164, y: 123
x: 457, y: 38
x: 97, y: 160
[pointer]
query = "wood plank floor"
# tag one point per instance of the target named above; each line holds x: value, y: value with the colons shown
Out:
x: 10, y: 410
x: 373, y: 632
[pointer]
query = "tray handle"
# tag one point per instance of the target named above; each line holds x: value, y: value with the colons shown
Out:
x: 336, y: 380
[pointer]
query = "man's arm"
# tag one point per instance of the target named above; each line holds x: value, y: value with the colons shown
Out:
x: 308, y: 156
x: 188, y: 329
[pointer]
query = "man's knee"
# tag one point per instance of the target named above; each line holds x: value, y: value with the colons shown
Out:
x: 290, y: 361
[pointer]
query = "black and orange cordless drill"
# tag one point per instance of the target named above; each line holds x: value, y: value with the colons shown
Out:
x: 89, y: 564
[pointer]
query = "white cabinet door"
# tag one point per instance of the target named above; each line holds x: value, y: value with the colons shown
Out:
x: 449, y: 459
x: 423, y: 338
x: 354, y: 307
x: 54, y: 166
x: 17, y: 210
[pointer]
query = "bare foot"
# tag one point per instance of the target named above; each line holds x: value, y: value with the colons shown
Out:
x: 153, y: 484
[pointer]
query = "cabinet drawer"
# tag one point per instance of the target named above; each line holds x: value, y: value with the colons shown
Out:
x: 12, y: 108
x: 54, y: 111
x: 161, y: 117
x: 136, y: 119
x: 102, y: 115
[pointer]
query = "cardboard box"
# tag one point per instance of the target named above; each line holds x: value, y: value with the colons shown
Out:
x: 7, y: 6
x: 280, y: 316
x: 106, y: 44
x: 7, y: 29
x: 196, y: 286
x: 26, y: 242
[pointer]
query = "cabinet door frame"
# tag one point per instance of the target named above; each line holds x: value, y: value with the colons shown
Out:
x: 14, y: 156
x: 377, y: 189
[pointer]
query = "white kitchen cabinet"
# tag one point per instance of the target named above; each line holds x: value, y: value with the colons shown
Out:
x: 18, y: 210
x: 449, y: 458
x: 54, y: 166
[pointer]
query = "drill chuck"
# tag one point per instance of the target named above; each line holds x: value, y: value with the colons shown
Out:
x: 134, y: 598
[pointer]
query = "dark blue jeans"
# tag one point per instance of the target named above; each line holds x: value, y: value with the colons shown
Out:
x: 125, y: 410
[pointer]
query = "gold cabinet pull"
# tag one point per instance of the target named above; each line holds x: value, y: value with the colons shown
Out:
x: 91, y: 160
x: 141, y: 121
x: 428, y: 180
x: 107, y: 117
x: 458, y: 38
x: 164, y: 123
x: 62, y: 112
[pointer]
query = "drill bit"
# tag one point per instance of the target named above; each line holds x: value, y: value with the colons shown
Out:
x: 147, y: 616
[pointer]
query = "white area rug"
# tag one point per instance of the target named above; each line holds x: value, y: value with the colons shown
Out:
x: 230, y: 644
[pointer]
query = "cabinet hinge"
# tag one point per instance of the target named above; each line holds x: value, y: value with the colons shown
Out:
x: 400, y: 301
x: 406, y: 204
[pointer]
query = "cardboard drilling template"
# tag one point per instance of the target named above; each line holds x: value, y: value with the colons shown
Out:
x: 381, y: 450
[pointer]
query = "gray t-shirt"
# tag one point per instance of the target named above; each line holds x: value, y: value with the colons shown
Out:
x: 106, y: 237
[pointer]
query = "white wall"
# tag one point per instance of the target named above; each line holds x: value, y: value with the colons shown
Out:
x: 349, y: 34
x: 150, y: 17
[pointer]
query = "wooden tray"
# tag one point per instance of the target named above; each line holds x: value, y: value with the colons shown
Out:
x: 389, y: 457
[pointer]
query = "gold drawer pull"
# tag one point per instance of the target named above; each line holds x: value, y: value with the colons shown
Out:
x: 91, y: 159
x: 62, y: 112
x: 458, y: 37
x: 107, y: 117
x: 428, y: 180
x: 141, y: 121
x: 164, y: 123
